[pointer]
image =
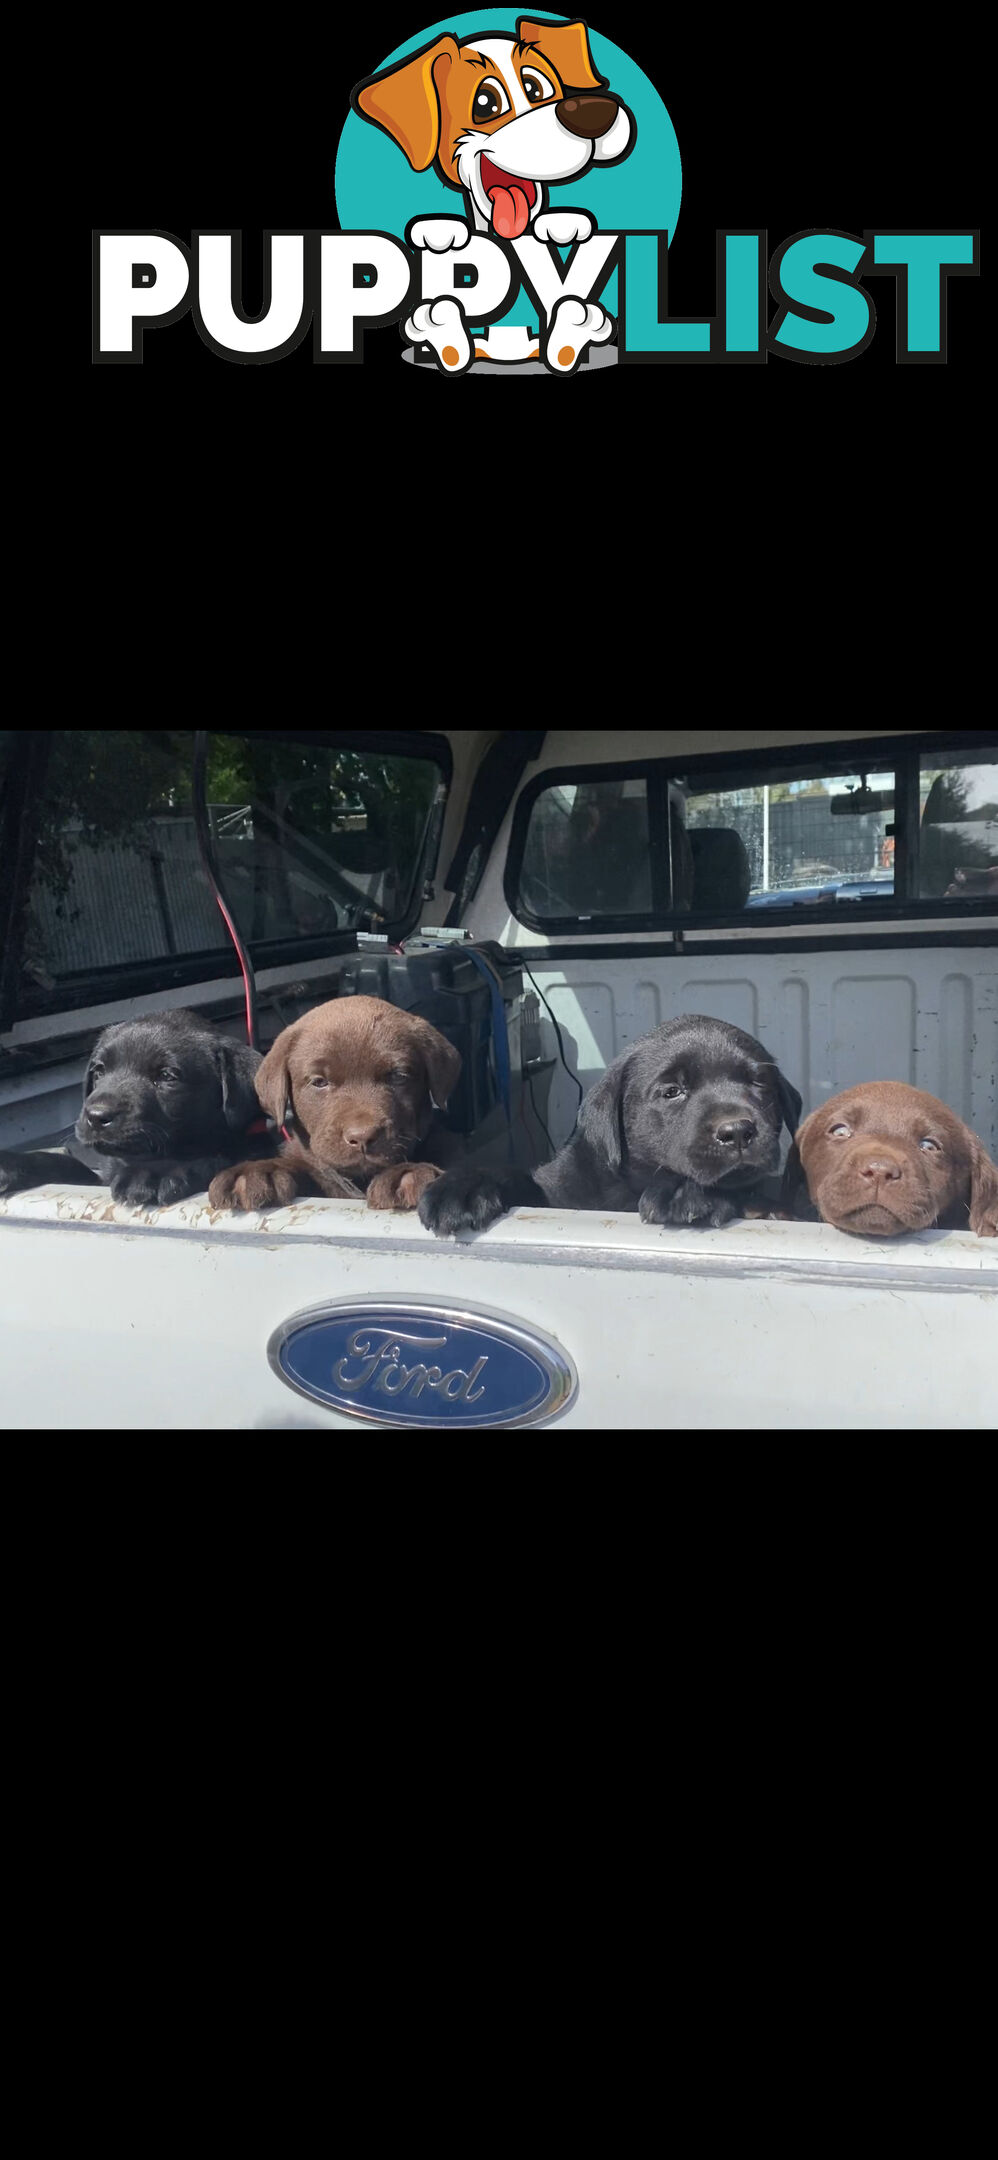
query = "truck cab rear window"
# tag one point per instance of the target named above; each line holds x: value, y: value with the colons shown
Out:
x: 642, y: 845
x: 311, y: 838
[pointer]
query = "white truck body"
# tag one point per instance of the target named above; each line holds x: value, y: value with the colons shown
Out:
x: 114, y: 1318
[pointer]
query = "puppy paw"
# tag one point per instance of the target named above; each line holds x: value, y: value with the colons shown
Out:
x: 564, y: 227
x: 693, y: 1208
x: 16, y: 1175
x: 655, y: 1204
x: 177, y: 1184
x: 685, y: 1206
x: 253, y: 1185
x: 575, y: 325
x: 468, y: 1202
x: 440, y: 324
x: 984, y: 1218
x: 439, y: 234
x: 402, y: 1185
x: 135, y: 1188
x: 713, y: 1217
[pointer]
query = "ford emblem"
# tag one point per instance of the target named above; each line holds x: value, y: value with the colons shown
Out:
x: 419, y: 1363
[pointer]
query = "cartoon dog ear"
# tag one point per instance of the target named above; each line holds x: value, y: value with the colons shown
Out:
x: 983, y: 1190
x: 272, y: 1079
x: 443, y: 1062
x: 790, y: 1103
x: 237, y: 1068
x: 601, y: 1119
x: 405, y: 100
x: 566, y: 45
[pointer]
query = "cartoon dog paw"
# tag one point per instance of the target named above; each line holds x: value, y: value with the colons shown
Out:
x: 575, y: 325
x: 564, y: 227
x: 439, y: 234
x: 440, y: 324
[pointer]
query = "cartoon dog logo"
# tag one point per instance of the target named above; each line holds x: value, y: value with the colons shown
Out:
x: 503, y: 120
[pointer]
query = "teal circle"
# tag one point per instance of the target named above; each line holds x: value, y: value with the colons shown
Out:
x: 377, y: 191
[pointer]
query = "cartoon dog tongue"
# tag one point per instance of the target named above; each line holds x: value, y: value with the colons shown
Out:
x: 510, y: 211
x: 512, y: 199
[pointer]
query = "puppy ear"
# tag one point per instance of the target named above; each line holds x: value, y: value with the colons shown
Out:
x: 237, y: 1066
x: 790, y: 1102
x: 566, y: 45
x: 272, y: 1079
x: 405, y: 101
x: 794, y: 1182
x: 96, y: 1054
x: 983, y: 1190
x: 443, y: 1062
x: 600, y: 1119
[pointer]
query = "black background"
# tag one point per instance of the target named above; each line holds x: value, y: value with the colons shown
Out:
x: 785, y: 119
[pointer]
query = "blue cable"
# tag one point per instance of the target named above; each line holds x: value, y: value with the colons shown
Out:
x: 500, y: 1037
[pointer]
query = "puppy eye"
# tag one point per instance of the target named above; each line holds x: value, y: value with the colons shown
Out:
x: 537, y: 88
x: 933, y: 1144
x: 166, y: 1074
x: 840, y: 1132
x: 671, y: 1090
x: 318, y: 1080
x: 399, y: 1072
x: 96, y: 1072
x: 490, y: 101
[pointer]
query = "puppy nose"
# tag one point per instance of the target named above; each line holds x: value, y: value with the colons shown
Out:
x: 880, y: 1166
x: 99, y: 1115
x: 588, y: 115
x: 737, y: 1132
x: 358, y: 1134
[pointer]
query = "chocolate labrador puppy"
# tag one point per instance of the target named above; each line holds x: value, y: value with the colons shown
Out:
x: 683, y: 1127
x: 884, y: 1157
x: 166, y: 1101
x: 359, y: 1080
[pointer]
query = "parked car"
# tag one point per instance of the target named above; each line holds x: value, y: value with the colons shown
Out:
x: 845, y: 888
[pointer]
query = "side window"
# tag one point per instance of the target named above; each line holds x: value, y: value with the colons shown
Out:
x: 607, y: 849
x: 958, y: 836
x: 587, y: 850
x: 117, y: 878
x: 791, y: 843
x: 311, y: 840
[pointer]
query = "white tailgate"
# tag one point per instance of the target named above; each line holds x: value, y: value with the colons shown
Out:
x: 115, y: 1319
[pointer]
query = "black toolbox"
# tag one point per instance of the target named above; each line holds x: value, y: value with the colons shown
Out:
x: 445, y: 986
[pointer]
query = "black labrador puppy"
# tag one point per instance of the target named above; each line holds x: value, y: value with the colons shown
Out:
x: 167, y: 1102
x: 684, y: 1126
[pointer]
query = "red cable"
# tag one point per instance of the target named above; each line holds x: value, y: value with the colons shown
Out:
x: 231, y: 928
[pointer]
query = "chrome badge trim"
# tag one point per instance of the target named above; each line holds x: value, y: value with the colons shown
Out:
x: 532, y: 1381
